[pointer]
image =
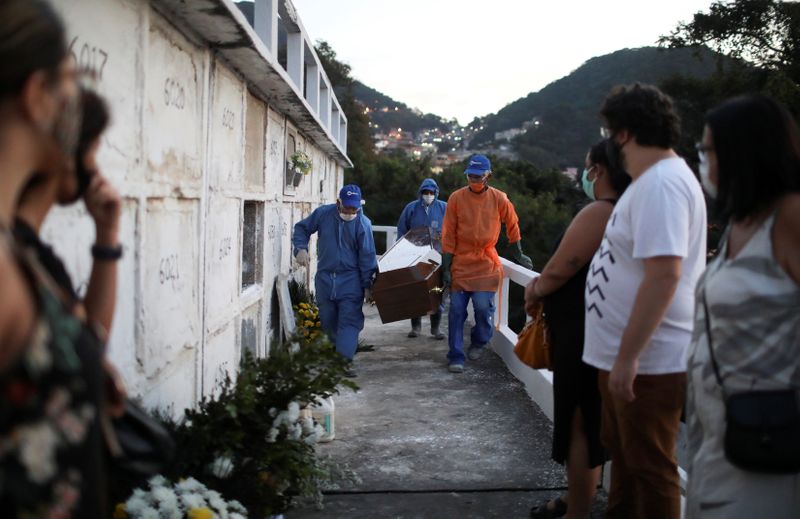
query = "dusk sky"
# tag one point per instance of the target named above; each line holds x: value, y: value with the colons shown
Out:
x: 466, y: 58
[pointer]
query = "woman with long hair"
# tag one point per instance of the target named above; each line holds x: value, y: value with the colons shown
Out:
x: 747, y: 318
x: 560, y: 287
x: 50, y: 374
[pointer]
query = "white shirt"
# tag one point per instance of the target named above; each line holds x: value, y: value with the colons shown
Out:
x: 662, y: 213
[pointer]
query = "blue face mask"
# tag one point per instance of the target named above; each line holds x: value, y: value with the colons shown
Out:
x: 588, y: 185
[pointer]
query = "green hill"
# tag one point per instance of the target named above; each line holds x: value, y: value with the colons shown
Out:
x: 567, y: 109
x: 390, y: 114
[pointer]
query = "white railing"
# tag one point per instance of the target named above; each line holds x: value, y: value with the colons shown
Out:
x: 389, y: 230
x: 538, y: 382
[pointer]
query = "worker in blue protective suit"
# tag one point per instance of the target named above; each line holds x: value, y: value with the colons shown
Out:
x: 346, y: 266
x: 427, y: 211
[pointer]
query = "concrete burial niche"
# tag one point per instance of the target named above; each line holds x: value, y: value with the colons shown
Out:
x: 173, y: 108
x: 171, y: 280
x: 222, y: 264
x: 108, y: 44
x: 226, y: 130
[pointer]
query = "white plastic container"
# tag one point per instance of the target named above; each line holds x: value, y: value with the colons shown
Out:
x: 323, y: 412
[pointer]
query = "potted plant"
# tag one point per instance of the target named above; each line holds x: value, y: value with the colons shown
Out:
x: 298, y: 165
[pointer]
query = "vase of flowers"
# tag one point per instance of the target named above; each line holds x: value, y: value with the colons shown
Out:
x: 298, y: 166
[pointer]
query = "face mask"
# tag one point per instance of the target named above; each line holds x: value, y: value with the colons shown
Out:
x: 588, y: 185
x: 428, y: 199
x: 705, y: 176
x: 347, y: 217
x: 477, y: 187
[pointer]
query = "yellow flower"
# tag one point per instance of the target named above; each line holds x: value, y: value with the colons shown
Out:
x: 308, y: 324
x: 303, y: 305
x: 120, y: 512
x: 317, y: 324
x: 200, y: 513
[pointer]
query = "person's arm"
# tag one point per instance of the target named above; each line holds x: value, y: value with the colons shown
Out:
x: 450, y: 227
x: 508, y: 215
x: 581, y: 240
x: 104, y: 205
x: 367, y: 259
x: 786, y: 236
x: 303, y: 231
x: 661, y: 277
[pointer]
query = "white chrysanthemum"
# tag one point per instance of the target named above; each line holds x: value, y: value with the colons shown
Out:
x: 222, y: 467
x: 37, y: 451
x: 273, y: 412
x: 308, y: 424
x: 236, y: 506
x: 166, y: 498
x: 272, y: 435
x: 311, y: 439
x: 157, y: 481
x: 296, y: 431
x: 193, y: 501
x: 237, y: 516
x: 294, y: 412
x: 294, y: 348
x: 190, y: 485
x: 220, y: 507
x: 150, y: 513
x: 135, y: 504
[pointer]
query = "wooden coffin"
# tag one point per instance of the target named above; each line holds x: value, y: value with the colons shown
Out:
x: 412, y: 290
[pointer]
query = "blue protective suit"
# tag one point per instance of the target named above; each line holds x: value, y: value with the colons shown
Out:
x: 417, y: 214
x: 346, y: 265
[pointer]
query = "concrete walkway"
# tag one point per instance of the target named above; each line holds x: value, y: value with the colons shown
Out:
x: 427, y: 443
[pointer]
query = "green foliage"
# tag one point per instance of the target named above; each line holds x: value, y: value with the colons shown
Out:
x: 269, y: 465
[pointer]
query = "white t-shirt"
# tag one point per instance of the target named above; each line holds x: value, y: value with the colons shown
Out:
x: 662, y: 213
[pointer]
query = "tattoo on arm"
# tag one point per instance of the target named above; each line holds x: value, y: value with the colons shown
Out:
x: 574, y: 263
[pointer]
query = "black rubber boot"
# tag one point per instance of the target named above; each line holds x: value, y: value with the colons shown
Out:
x: 416, y: 327
x: 436, y: 320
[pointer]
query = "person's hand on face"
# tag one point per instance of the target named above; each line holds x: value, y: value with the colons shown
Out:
x: 104, y: 204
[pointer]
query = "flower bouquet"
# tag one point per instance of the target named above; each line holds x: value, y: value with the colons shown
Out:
x: 187, y: 499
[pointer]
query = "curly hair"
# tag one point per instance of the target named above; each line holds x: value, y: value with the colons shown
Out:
x: 644, y: 111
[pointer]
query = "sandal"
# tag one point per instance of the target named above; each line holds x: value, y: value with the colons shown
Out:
x: 544, y: 511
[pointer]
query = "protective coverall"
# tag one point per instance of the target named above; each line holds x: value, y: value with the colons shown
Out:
x: 471, y: 228
x: 417, y: 214
x: 346, y: 266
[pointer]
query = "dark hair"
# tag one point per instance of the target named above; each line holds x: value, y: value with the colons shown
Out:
x: 645, y: 111
x: 598, y: 154
x: 758, y: 154
x: 95, y: 119
x: 32, y: 37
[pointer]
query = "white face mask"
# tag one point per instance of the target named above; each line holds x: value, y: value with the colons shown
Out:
x: 347, y: 217
x: 705, y: 176
x: 428, y: 199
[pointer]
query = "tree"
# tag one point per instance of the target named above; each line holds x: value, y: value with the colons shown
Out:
x: 763, y: 33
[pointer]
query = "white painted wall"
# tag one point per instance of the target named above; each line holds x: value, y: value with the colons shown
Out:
x: 190, y: 142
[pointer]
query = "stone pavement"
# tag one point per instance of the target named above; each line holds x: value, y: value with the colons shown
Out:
x: 428, y: 443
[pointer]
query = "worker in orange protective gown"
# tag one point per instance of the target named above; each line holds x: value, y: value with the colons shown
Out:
x: 470, y: 265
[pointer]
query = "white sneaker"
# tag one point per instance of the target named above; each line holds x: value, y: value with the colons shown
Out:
x: 455, y: 368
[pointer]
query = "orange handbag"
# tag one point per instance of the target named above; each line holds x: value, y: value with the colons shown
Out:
x: 533, y: 342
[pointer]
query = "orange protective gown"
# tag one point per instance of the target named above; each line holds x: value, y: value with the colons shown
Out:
x: 470, y: 231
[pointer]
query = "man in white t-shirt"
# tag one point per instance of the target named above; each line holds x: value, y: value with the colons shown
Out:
x: 640, y: 303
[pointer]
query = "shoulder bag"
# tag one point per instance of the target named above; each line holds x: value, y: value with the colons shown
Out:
x: 762, y: 432
x: 533, y: 342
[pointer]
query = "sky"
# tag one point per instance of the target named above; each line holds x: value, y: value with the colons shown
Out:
x: 468, y: 58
